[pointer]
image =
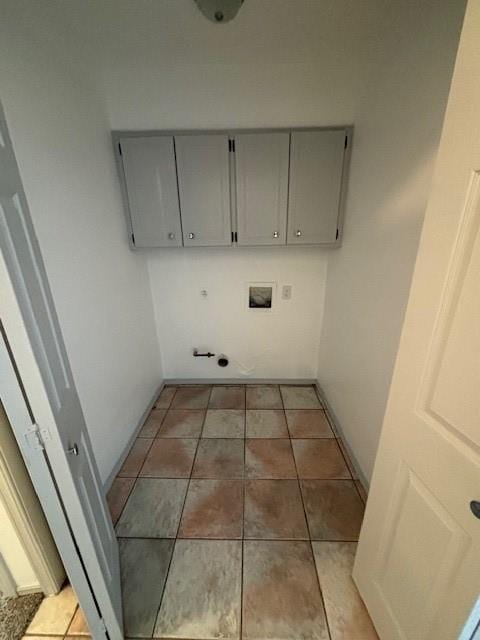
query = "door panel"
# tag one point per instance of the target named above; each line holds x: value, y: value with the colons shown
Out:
x: 58, y: 410
x: 204, y: 186
x: 261, y: 169
x: 151, y: 185
x: 418, y: 560
x: 316, y: 171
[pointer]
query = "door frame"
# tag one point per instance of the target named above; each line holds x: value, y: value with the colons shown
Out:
x: 8, y: 587
x: 21, y: 418
x: 28, y: 407
x: 27, y: 518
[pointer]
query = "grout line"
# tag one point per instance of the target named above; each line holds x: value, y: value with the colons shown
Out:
x: 179, y: 523
x: 244, y: 481
x: 310, y: 538
x: 321, y: 592
x: 345, y: 456
x: 138, y: 474
x: 165, y: 581
x: 313, y: 559
x: 256, y: 479
x: 70, y: 623
x: 205, y: 539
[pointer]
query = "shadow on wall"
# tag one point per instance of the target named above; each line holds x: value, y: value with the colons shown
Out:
x: 368, y: 284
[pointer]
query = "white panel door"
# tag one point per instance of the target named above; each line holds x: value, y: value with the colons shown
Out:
x: 54, y: 400
x: 203, y: 164
x: 261, y: 169
x: 316, y: 171
x: 418, y: 561
x: 152, y: 193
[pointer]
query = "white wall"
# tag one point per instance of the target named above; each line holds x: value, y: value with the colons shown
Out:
x: 14, y: 556
x: 384, y: 67
x: 279, y: 63
x: 162, y: 64
x: 281, y: 343
x: 397, y: 128
x: 101, y: 289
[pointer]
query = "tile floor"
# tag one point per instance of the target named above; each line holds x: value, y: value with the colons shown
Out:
x: 237, y: 512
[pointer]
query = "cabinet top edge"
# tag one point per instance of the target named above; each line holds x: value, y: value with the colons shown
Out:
x: 134, y: 133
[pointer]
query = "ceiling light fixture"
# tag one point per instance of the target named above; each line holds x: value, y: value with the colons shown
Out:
x: 219, y: 11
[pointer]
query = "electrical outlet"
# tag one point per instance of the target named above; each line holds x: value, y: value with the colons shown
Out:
x: 286, y: 292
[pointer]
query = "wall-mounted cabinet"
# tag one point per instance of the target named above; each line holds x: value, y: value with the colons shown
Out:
x: 316, y: 170
x: 203, y: 168
x: 151, y: 190
x: 261, y: 176
x: 250, y: 188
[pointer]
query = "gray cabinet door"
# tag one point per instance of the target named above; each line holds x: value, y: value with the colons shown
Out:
x: 261, y: 161
x: 316, y: 167
x: 152, y: 193
x: 203, y: 166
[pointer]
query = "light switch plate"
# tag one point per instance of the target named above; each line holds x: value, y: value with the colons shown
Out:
x: 286, y: 292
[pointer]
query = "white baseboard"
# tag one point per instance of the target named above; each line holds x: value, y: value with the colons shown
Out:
x: 247, y: 381
x: 29, y: 588
x: 108, y: 483
x: 339, y: 432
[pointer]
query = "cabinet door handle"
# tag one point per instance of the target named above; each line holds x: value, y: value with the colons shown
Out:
x: 171, y: 236
x: 298, y: 233
x: 275, y: 234
x: 191, y: 236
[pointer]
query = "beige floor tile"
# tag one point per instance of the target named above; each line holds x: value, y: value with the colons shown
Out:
x: 191, y: 398
x: 118, y: 496
x: 266, y: 423
x: 347, y: 616
x: 170, y: 458
x: 135, y: 459
x: 42, y: 637
x: 152, y: 424
x: 182, y: 423
x: 281, y: 598
x: 299, y: 397
x: 78, y: 626
x: 269, y: 459
x: 232, y: 397
x: 347, y: 458
x: 144, y: 566
x: 264, y: 397
x: 55, y: 613
x: 334, y: 509
x: 153, y: 509
x: 208, y: 607
x: 219, y: 458
x: 274, y: 510
x: 213, y: 509
x: 165, y: 398
x: 224, y: 423
x: 308, y: 423
x: 319, y: 459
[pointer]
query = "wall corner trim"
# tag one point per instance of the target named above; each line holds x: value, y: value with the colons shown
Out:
x: 113, y: 473
x: 339, y: 432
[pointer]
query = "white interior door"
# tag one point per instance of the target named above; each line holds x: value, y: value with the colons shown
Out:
x: 32, y: 330
x: 418, y: 560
